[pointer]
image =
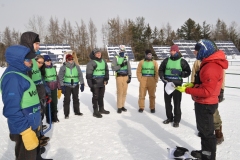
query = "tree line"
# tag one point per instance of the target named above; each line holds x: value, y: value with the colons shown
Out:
x: 137, y: 33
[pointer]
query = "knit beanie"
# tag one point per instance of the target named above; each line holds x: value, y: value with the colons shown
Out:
x: 174, y: 48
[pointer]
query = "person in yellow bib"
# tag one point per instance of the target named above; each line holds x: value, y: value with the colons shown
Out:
x: 121, y: 66
x: 147, y: 75
x: 97, y: 75
x: 21, y: 102
x: 70, y: 75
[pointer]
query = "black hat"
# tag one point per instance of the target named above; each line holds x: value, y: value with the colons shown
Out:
x: 180, y: 151
x: 30, y: 55
x: 197, y: 47
x: 37, y: 39
x: 148, y: 51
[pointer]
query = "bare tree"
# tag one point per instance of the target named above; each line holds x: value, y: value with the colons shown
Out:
x: 15, y: 37
x: 92, y: 34
x: 54, y: 31
x: 7, y: 37
x: 36, y: 24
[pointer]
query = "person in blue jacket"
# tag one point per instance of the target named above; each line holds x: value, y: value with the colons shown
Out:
x: 21, y: 102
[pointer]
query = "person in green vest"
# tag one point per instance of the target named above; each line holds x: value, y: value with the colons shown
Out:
x: 173, y: 69
x: 21, y: 103
x: 70, y: 75
x: 121, y: 66
x: 32, y: 41
x: 97, y: 75
x: 51, y: 79
x: 147, y: 75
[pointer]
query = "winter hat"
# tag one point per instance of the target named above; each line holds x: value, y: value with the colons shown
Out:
x: 174, y: 48
x: 207, y: 48
x: 47, y: 58
x: 148, y: 51
x: 95, y: 50
x: 122, y: 48
x: 197, y: 47
x: 180, y: 151
x: 37, y: 39
x: 69, y: 56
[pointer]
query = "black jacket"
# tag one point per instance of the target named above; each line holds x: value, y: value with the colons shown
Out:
x: 186, y: 71
x: 91, y: 66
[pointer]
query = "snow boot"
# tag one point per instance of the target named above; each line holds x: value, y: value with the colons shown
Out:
x: 103, y: 111
x: 96, y: 113
x: 119, y: 110
x: 180, y: 151
x: 219, y: 135
x: 124, y: 109
x: 55, y: 118
x: 196, y: 154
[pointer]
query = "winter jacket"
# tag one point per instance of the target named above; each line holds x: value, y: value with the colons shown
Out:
x: 13, y: 86
x: 211, y: 78
x: 186, y: 71
x: 62, y: 71
x: 196, y: 67
x: 139, y: 71
x: 116, y: 67
x: 52, y: 84
x: 91, y: 66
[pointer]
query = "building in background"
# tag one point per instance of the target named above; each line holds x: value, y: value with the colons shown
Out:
x: 113, y: 50
x: 55, y: 51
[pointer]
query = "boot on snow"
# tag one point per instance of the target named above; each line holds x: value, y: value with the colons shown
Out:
x: 219, y: 135
x: 103, y: 111
x: 96, y: 113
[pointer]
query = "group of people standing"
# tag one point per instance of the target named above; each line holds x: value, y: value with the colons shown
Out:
x: 30, y: 86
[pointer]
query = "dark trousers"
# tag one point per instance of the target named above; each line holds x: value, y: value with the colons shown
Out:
x: 66, y: 102
x: 204, y: 118
x: 20, y: 152
x: 97, y: 99
x: 177, y: 97
x: 53, y: 105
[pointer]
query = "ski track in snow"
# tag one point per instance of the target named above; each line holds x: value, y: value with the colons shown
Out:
x: 131, y: 135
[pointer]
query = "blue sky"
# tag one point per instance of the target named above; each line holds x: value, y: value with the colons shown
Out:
x: 16, y: 13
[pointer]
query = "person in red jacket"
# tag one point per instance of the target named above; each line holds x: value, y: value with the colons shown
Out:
x: 205, y: 91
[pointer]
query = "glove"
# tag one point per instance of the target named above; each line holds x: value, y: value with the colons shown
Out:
x: 59, y: 93
x: 181, y: 88
x: 49, y: 99
x: 176, y: 72
x: 82, y: 87
x: 164, y: 81
x: 124, y: 63
x: 29, y: 139
x: 188, y: 85
x: 220, y: 97
x: 129, y: 79
x: 63, y: 89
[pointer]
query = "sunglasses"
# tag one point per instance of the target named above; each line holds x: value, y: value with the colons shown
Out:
x: 40, y: 62
x: 70, y: 59
x: 27, y: 60
x: 47, y: 60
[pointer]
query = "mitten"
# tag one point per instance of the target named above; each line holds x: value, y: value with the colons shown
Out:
x: 49, y: 99
x: 220, y: 97
x: 59, y: 93
x: 188, y: 85
x: 129, y: 79
x: 82, y: 87
x: 63, y: 89
x: 181, y: 88
x: 29, y: 139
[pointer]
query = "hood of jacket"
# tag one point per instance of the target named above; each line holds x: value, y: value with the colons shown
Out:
x: 92, y: 57
x: 15, y: 56
x: 217, y: 57
x: 27, y: 39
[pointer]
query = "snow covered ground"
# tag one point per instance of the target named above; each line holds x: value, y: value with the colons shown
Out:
x: 132, y: 135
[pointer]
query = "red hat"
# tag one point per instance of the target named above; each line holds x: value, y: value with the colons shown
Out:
x: 69, y: 56
x: 174, y: 48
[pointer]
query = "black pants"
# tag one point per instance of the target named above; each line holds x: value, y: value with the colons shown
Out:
x: 20, y: 151
x: 204, y: 118
x: 66, y: 102
x: 177, y: 97
x: 97, y: 99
